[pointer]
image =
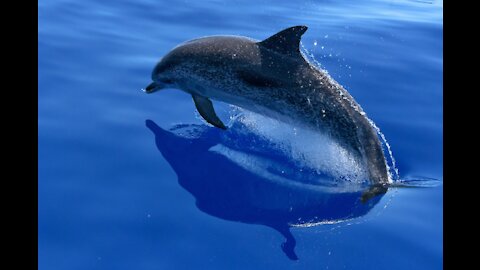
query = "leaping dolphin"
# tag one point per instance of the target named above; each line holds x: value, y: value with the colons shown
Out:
x: 271, y: 77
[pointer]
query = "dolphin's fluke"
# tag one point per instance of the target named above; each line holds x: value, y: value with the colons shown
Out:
x: 286, y: 41
x: 205, y: 108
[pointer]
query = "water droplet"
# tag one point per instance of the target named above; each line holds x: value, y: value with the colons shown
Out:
x: 315, y: 43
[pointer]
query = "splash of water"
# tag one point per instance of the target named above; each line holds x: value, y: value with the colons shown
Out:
x: 393, y: 174
x: 308, y: 149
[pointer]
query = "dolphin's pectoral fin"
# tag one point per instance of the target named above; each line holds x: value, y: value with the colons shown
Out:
x: 257, y: 80
x: 205, y: 108
x: 286, y: 41
x: 288, y: 246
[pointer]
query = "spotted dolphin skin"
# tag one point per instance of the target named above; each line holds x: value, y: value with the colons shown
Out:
x: 271, y: 77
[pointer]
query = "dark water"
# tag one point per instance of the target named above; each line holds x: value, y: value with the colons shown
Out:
x: 135, y: 181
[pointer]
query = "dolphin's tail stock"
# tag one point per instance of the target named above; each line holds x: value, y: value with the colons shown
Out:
x: 418, y: 182
x: 373, y: 191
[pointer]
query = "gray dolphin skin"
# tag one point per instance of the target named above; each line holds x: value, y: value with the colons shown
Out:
x: 271, y: 77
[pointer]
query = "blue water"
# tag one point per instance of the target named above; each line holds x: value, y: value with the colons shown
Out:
x: 135, y: 181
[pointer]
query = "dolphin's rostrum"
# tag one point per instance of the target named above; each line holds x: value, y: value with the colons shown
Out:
x: 273, y: 78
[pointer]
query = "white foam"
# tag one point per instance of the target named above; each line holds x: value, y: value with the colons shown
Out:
x: 392, y: 170
x: 306, y: 148
x: 267, y: 169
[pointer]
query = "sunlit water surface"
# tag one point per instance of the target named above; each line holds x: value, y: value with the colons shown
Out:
x: 135, y: 181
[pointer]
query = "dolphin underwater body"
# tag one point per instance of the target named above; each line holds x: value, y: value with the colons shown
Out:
x: 253, y: 192
x: 271, y: 77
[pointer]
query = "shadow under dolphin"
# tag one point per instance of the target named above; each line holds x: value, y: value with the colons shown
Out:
x: 253, y: 185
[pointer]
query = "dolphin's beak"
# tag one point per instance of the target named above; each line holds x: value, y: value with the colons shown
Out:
x: 154, y: 86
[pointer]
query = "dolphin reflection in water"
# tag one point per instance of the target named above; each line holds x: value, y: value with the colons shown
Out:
x: 253, y: 185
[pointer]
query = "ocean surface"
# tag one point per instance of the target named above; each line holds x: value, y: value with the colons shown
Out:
x: 128, y: 180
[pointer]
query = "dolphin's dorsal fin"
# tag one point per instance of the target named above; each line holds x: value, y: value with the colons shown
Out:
x: 286, y: 41
x: 205, y: 108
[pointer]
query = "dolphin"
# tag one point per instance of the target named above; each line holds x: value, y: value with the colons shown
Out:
x: 272, y: 77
